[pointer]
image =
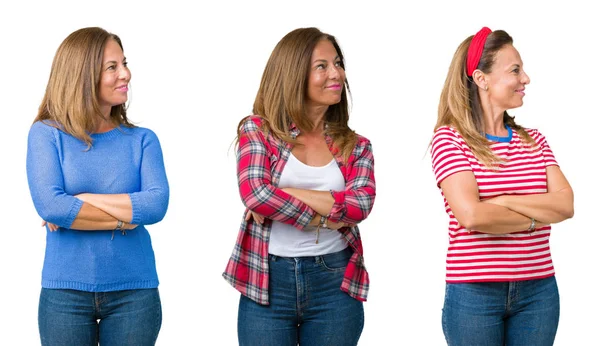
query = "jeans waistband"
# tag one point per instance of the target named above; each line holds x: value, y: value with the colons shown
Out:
x: 347, y: 252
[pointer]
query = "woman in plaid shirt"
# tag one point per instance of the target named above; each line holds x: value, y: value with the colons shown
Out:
x: 306, y: 179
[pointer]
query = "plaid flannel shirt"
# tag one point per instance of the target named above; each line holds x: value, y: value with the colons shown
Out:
x: 260, y: 162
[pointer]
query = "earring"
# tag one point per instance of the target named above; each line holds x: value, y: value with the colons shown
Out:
x: 486, y: 88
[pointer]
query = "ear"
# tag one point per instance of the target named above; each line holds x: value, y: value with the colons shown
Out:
x: 480, y: 79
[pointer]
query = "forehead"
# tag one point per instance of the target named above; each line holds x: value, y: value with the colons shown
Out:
x: 112, y: 50
x: 324, y: 49
x: 507, y: 56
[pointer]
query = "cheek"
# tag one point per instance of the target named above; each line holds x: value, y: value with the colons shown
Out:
x: 316, y: 81
x: 105, y: 83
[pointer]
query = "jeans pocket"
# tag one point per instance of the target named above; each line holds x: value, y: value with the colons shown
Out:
x: 336, y: 262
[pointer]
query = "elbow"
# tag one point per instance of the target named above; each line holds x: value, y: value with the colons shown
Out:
x: 468, y: 223
x: 51, y: 213
x: 148, y: 211
x: 47, y: 215
x: 468, y: 220
x: 160, y: 211
x: 254, y: 195
x: 569, y: 212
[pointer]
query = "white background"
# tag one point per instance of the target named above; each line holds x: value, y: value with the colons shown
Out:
x: 196, y: 71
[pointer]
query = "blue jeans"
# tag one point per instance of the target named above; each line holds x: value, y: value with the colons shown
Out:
x: 501, y: 313
x: 306, y: 306
x: 126, y: 318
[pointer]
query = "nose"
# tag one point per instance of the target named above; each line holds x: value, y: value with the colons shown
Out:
x: 525, y: 78
x: 124, y: 73
x: 334, y: 72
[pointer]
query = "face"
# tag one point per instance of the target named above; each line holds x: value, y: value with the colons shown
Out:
x: 326, y: 76
x: 506, y: 82
x: 114, y: 78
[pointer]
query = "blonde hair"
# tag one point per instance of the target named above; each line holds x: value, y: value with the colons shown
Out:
x: 460, y: 106
x: 280, y: 100
x: 71, y: 98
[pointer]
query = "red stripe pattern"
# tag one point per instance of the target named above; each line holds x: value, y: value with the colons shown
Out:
x: 260, y: 162
x: 480, y: 257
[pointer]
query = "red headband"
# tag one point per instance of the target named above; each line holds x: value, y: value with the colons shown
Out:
x: 476, y: 49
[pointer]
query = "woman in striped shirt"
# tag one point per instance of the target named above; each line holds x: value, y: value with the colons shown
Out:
x: 502, y: 189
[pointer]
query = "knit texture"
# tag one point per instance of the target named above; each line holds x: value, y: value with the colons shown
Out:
x: 123, y: 160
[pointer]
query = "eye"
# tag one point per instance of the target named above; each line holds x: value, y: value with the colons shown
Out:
x: 111, y: 67
x: 338, y: 63
x: 516, y: 70
x: 320, y: 67
x: 125, y: 63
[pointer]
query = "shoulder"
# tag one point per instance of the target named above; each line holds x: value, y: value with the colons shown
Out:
x: 446, y: 131
x: 44, y: 128
x: 362, y: 141
x: 250, y: 123
x: 536, y: 135
x: 446, y: 134
x: 145, y: 135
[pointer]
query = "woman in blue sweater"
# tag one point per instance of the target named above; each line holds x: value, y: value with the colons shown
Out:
x: 96, y: 180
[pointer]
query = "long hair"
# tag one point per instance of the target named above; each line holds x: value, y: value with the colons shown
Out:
x: 71, y: 98
x: 460, y: 106
x: 280, y: 100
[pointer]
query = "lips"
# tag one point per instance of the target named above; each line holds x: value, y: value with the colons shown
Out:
x: 334, y: 87
x: 122, y: 88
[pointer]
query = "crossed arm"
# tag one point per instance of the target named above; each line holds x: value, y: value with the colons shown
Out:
x: 300, y: 207
x: 87, y: 211
x: 508, y: 213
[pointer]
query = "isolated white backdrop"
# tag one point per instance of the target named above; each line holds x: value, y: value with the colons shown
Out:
x: 196, y: 69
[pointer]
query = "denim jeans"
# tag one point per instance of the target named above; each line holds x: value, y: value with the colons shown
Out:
x: 501, y: 313
x: 306, y: 306
x: 126, y: 318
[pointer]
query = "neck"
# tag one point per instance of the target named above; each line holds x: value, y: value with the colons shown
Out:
x: 493, y: 117
x: 103, y: 123
x: 316, y: 114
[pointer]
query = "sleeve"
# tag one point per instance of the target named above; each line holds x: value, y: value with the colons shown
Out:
x: 547, y: 154
x: 149, y: 205
x: 45, y: 177
x: 254, y: 181
x: 355, y: 203
x: 447, y: 155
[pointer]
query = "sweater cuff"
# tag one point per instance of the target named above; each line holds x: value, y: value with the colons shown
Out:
x: 75, y: 207
x: 136, y: 212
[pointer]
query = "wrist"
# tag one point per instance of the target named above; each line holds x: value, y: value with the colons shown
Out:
x: 532, y: 226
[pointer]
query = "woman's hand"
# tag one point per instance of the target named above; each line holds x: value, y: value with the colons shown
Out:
x: 338, y: 225
x: 256, y: 217
x: 51, y: 226
x: 128, y: 226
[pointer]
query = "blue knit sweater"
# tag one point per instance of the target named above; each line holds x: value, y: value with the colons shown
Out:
x: 123, y: 160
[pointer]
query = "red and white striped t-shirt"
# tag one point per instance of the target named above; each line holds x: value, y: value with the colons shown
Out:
x: 477, y: 257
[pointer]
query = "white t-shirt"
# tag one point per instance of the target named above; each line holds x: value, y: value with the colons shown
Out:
x: 287, y: 241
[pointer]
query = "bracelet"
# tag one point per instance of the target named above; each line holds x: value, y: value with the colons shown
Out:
x: 532, y: 226
x: 323, y: 221
x: 119, y: 225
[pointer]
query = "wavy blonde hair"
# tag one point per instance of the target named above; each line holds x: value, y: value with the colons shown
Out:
x: 71, y: 98
x: 460, y: 106
x: 280, y: 100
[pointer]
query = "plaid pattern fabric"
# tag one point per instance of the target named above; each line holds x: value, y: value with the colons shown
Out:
x: 260, y: 161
